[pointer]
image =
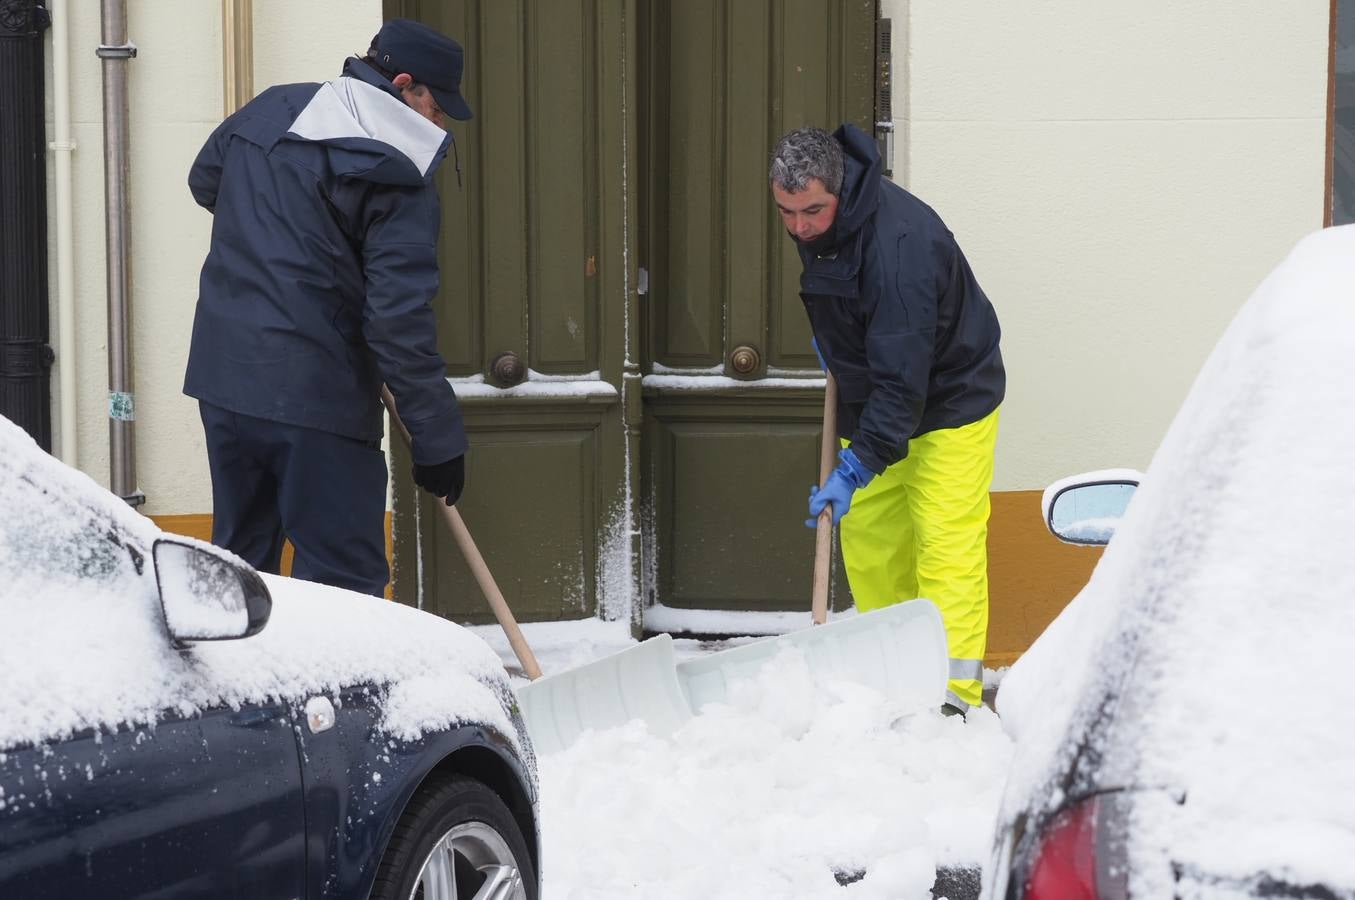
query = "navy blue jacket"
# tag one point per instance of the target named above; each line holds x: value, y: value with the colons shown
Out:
x: 322, y: 264
x: 898, y: 316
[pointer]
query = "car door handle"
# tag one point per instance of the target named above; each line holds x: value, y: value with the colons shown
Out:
x: 254, y: 717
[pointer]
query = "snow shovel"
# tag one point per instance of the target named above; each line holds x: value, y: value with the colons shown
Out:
x: 899, y: 650
x: 483, y: 577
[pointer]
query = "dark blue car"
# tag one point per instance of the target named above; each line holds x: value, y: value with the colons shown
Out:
x: 173, y: 724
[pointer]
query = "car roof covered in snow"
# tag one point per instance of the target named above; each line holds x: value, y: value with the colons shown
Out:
x: 84, y: 643
x: 1223, y: 611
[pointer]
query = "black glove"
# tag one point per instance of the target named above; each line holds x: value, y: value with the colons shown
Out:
x: 445, y: 480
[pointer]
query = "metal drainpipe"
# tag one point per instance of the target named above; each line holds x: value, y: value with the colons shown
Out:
x: 237, y: 54
x: 63, y: 147
x: 116, y: 52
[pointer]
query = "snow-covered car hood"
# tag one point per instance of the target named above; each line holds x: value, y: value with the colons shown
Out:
x: 1224, y: 609
x: 85, y: 645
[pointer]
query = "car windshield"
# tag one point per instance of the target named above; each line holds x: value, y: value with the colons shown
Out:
x: 82, y: 544
x: 75, y: 581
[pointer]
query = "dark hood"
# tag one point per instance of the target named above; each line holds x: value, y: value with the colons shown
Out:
x: 356, y: 68
x: 860, y: 194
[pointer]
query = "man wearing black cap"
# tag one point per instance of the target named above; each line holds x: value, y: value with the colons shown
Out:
x: 315, y: 291
x: 423, y: 64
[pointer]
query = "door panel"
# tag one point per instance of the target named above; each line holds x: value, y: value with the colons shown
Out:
x: 551, y: 518
x: 726, y: 79
x: 728, y: 467
x: 562, y: 176
x: 533, y: 264
x: 686, y: 256
x: 461, y: 240
x: 752, y: 244
x: 730, y: 506
x: 502, y: 143
x: 205, y: 806
x: 537, y: 505
x: 520, y: 230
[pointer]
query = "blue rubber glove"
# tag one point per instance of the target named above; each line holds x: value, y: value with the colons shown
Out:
x: 842, y: 483
x: 814, y: 342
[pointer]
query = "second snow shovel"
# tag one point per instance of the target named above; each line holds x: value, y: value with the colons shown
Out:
x: 899, y: 650
x: 483, y: 577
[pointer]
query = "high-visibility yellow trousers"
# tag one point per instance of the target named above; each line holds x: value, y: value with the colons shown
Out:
x: 920, y: 529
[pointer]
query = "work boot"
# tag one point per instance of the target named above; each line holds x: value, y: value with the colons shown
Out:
x: 950, y: 709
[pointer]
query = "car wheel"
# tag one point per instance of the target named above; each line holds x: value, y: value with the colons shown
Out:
x: 456, y: 841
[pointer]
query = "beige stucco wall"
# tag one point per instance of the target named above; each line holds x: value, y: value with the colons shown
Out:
x: 1121, y: 176
x: 175, y: 101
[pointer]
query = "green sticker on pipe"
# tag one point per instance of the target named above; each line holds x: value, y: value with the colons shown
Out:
x: 120, y: 406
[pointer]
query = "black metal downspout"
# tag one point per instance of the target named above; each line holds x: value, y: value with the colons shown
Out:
x: 25, y: 355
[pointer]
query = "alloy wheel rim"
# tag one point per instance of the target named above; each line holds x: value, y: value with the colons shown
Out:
x: 470, y: 862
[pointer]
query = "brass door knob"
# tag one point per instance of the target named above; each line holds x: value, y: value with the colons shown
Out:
x: 507, y: 369
x: 745, y: 360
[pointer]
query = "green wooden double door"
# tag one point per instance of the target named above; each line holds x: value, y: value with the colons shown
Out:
x: 619, y: 308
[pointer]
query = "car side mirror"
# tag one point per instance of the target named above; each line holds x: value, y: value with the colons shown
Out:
x: 207, y: 595
x: 1086, y: 509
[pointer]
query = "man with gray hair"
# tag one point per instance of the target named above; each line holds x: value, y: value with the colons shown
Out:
x: 912, y: 341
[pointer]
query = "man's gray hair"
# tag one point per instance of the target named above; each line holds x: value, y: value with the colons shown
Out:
x: 803, y: 154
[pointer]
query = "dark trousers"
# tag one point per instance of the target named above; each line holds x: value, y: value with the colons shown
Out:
x: 324, y: 492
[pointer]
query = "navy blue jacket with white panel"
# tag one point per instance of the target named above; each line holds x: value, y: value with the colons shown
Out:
x: 323, y: 262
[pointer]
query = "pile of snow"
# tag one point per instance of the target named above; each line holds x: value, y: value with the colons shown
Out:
x: 768, y: 795
x: 85, y: 643
x: 1224, y: 605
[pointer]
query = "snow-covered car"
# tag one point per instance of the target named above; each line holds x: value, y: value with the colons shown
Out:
x: 173, y: 724
x: 1181, y: 729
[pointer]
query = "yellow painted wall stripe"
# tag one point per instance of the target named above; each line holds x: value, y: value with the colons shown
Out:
x: 199, y: 525
x: 1031, y: 574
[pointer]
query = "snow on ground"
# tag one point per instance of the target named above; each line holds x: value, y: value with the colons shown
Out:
x: 767, y: 796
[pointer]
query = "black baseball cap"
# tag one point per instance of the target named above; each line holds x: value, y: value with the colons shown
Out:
x: 430, y: 57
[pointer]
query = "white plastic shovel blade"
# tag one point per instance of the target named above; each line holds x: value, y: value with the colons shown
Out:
x: 899, y: 651
x: 637, y: 683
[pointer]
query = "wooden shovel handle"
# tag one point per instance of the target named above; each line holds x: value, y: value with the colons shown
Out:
x: 478, y: 568
x: 490, y: 589
x: 823, y: 532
